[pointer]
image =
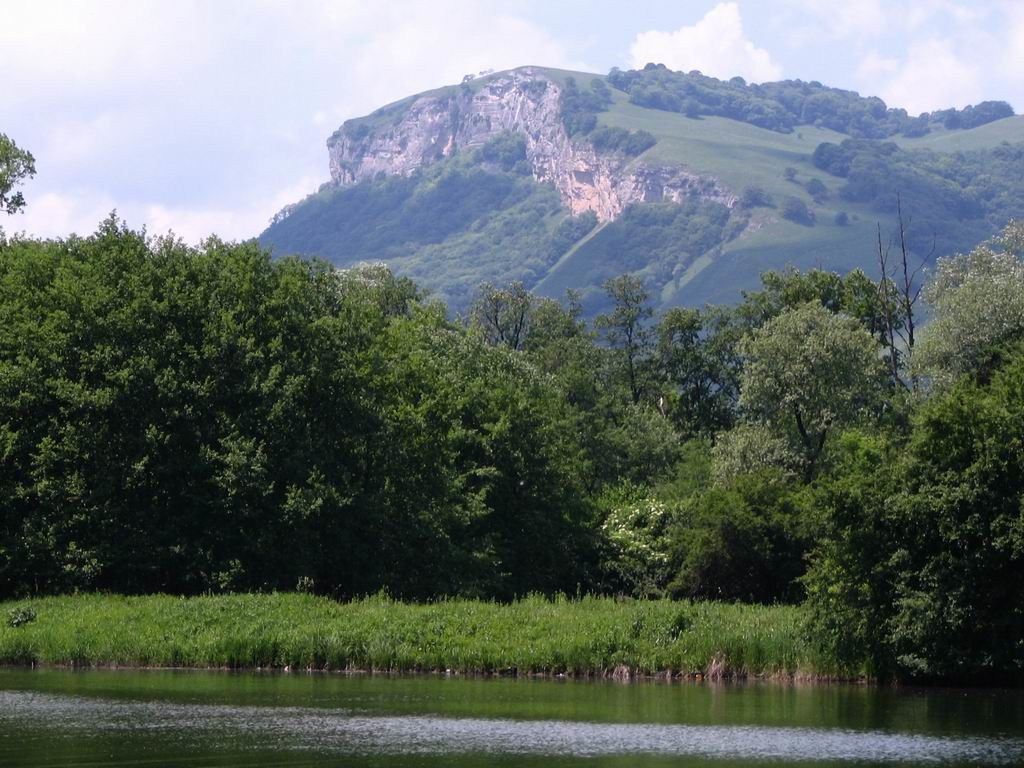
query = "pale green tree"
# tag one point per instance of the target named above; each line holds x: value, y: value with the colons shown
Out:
x: 808, y: 373
x: 977, y: 304
x: 749, y: 448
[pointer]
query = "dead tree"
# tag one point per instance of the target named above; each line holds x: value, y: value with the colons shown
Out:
x: 899, y: 290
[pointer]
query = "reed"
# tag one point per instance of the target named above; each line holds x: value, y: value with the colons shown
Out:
x: 535, y: 635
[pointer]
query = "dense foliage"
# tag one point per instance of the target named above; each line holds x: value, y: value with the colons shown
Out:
x: 190, y: 419
x: 784, y: 105
x: 924, y: 535
x: 450, y: 226
x: 208, y: 419
x: 957, y: 198
x: 580, y: 108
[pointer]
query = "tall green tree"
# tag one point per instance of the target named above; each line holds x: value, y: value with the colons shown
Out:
x: 699, y: 373
x: 186, y: 419
x: 503, y: 314
x: 626, y: 330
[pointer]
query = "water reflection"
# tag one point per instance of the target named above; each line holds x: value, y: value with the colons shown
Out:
x: 188, y: 727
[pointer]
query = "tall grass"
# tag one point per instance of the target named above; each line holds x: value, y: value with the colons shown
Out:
x: 589, y: 636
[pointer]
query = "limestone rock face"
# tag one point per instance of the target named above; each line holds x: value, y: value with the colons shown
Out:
x: 526, y: 102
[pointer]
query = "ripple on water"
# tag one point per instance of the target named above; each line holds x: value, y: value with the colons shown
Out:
x: 351, y: 731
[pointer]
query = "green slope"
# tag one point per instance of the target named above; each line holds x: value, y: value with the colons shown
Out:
x: 739, y: 155
x: 1009, y: 129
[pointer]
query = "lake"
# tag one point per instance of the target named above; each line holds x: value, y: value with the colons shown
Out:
x: 151, y: 718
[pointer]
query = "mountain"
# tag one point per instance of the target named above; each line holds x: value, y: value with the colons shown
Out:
x: 564, y: 179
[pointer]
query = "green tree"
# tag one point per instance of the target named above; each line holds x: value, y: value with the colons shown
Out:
x: 746, y: 541
x: 697, y: 372
x: 751, y: 448
x: 916, y: 573
x: 809, y: 372
x: 816, y: 189
x: 16, y: 165
x: 853, y: 294
x: 754, y: 197
x: 503, y: 314
x: 795, y: 209
x: 186, y: 419
x: 850, y: 588
x: 626, y: 331
x: 634, y: 527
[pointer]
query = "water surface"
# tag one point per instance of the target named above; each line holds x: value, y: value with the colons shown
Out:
x: 150, y: 718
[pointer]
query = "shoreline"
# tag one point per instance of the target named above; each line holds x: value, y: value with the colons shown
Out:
x: 625, y: 676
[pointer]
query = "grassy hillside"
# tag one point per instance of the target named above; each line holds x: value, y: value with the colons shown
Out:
x: 1009, y: 129
x: 501, y: 226
x: 739, y: 155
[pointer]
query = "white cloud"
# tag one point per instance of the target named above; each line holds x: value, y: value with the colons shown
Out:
x: 195, y: 224
x: 931, y: 77
x: 1013, y: 52
x: 875, y: 67
x: 56, y: 214
x: 920, y: 54
x: 850, y: 19
x: 67, y: 45
x: 716, y: 45
x: 188, y: 115
x: 52, y: 214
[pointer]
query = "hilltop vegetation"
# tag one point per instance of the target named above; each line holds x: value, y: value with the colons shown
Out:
x: 783, y: 106
x: 196, y: 419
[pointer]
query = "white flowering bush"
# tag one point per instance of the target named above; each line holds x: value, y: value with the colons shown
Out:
x: 635, y: 532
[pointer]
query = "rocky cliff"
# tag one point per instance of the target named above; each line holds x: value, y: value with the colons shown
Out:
x: 527, y: 102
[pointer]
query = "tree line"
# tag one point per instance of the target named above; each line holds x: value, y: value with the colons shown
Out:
x: 192, y: 419
x: 782, y: 106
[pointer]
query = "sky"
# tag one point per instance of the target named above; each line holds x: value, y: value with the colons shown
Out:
x: 201, y: 117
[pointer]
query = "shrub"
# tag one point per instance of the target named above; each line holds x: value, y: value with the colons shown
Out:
x: 795, y: 209
x: 754, y: 197
x: 18, y: 617
x: 816, y: 189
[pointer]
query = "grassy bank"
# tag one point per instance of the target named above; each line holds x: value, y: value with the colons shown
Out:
x: 591, y: 636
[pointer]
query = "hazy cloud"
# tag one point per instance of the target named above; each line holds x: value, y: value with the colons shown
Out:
x: 932, y: 77
x: 716, y: 45
x: 188, y: 115
x: 937, y: 53
x: 210, y: 116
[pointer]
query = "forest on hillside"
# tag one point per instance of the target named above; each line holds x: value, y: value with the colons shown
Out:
x: 203, y: 419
